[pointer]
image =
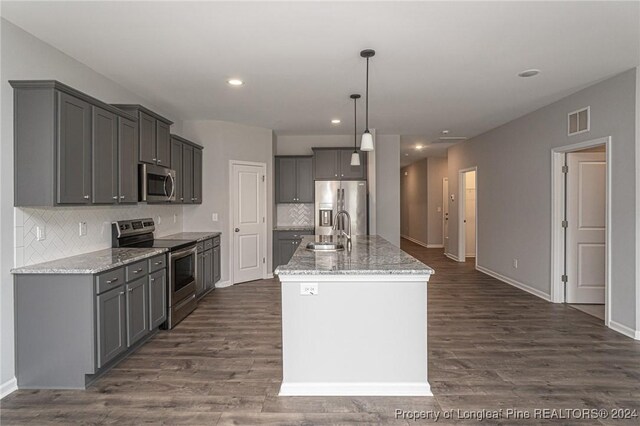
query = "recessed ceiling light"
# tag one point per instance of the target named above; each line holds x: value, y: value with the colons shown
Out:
x: 235, y: 82
x: 419, y: 147
x: 335, y: 121
x: 529, y: 73
x: 445, y: 132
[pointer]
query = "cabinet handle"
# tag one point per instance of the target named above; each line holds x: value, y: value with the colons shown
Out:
x: 158, y: 263
x: 137, y: 271
x: 113, y: 280
x: 115, y: 197
x: 86, y: 197
x: 122, y: 197
x: 121, y: 293
x: 336, y: 175
x: 159, y: 161
x: 130, y: 290
x: 154, y: 159
x: 152, y: 279
x: 181, y: 198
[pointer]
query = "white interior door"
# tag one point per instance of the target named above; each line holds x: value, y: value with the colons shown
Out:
x: 249, y: 222
x: 445, y: 214
x: 586, y: 227
x: 470, y: 213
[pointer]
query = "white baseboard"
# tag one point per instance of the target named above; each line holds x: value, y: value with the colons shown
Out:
x: 517, y: 284
x: 270, y: 277
x: 413, y: 240
x: 8, y: 387
x: 623, y: 329
x: 452, y: 257
x: 223, y: 284
x: 355, y: 389
x: 435, y: 246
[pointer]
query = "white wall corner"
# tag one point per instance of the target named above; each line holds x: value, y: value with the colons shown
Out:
x: 637, y: 192
x: 8, y: 387
x: 522, y: 286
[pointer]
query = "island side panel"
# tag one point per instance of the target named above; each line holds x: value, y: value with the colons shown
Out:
x: 54, y: 330
x: 355, y: 338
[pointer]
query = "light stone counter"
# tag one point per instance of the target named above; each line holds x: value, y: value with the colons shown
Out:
x: 90, y: 263
x: 195, y: 236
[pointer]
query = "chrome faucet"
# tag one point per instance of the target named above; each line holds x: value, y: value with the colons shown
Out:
x: 345, y: 234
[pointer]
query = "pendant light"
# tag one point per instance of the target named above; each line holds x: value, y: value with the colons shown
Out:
x: 355, y: 157
x: 367, y: 139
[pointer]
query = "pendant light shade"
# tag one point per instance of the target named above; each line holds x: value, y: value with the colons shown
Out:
x: 355, y: 157
x: 367, y: 138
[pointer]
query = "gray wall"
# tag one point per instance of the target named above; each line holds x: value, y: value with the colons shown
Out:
x: 437, y: 170
x: 414, y: 201
x: 222, y: 142
x: 26, y: 57
x: 514, y: 188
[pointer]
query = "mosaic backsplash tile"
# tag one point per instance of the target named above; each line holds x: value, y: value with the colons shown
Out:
x: 62, y: 233
x: 295, y: 214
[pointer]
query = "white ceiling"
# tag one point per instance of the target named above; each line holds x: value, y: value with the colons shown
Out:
x: 438, y: 65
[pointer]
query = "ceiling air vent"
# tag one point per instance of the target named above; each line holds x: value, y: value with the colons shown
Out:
x: 579, y: 121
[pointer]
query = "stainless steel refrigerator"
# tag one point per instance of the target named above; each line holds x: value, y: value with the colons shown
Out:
x: 333, y: 196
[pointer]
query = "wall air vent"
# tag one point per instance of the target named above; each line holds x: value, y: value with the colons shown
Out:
x: 579, y: 121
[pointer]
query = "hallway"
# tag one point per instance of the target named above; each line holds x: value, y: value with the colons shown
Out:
x: 491, y: 346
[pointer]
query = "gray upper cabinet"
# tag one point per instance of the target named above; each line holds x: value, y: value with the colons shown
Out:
x: 335, y: 164
x: 294, y: 179
x: 111, y: 321
x: 157, y: 298
x: 137, y: 313
x: 127, y: 161
x: 187, y: 173
x: 105, y: 157
x: 176, y: 164
x: 163, y: 143
x: 65, y: 146
x: 154, y: 134
x: 325, y: 164
x: 197, y: 176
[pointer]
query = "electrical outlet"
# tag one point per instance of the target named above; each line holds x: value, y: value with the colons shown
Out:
x: 175, y: 218
x: 308, y: 289
x: 515, y: 263
x: 41, y: 233
x: 82, y: 228
x: 214, y: 217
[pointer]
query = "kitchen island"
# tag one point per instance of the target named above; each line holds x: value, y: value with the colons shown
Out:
x: 354, y: 322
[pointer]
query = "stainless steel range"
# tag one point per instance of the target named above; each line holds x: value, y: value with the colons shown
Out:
x: 181, y: 288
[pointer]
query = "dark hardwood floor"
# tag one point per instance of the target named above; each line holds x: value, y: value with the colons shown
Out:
x: 491, y: 346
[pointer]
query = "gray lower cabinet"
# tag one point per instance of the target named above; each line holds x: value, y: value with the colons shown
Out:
x: 71, y: 328
x: 200, y: 280
x: 285, y: 243
x: 217, y: 271
x: 137, y: 310
x: 208, y: 265
x: 112, y: 328
x: 157, y: 298
x: 66, y: 146
x: 208, y: 269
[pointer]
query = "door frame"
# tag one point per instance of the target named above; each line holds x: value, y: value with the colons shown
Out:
x: 231, y: 216
x: 462, y: 252
x: 445, y: 204
x: 557, y: 216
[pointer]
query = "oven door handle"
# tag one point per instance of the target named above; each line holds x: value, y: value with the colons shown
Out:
x: 183, y: 253
x: 173, y: 186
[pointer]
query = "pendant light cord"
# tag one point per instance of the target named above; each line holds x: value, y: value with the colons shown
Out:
x: 367, y: 101
x: 355, y: 126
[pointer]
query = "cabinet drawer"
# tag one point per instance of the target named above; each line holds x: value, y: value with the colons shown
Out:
x: 108, y: 280
x: 158, y: 262
x: 208, y: 244
x: 292, y: 235
x: 137, y: 270
x: 200, y: 247
x: 216, y: 241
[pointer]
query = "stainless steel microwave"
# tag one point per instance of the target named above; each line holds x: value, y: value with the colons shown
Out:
x: 157, y: 184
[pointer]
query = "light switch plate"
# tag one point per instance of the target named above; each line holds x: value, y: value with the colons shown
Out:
x: 308, y: 289
x: 214, y: 217
x: 41, y: 233
x: 82, y: 228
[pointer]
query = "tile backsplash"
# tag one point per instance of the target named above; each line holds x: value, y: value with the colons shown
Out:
x: 61, y: 229
x: 295, y: 214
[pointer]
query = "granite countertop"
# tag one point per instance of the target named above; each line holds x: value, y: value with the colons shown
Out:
x: 370, y: 255
x: 196, y: 236
x: 90, y: 263
x: 294, y: 228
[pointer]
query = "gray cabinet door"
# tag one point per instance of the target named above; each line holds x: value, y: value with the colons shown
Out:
x: 325, y: 164
x: 304, y: 180
x: 176, y: 164
x: 147, y: 135
x: 127, y: 161
x: 208, y: 269
x: 286, y: 248
x: 111, y: 312
x: 104, y: 143
x: 217, y: 271
x: 286, y: 180
x: 137, y: 313
x: 200, y: 281
x: 197, y: 176
x: 74, y: 150
x: 163, y: 143
x: 349, y: 172
x: 187, y: 173
x: 157, y: 298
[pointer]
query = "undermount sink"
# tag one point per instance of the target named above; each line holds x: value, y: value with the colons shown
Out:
x: 324, y: 246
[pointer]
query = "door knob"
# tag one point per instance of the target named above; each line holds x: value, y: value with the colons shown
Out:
x: 237, y: 229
